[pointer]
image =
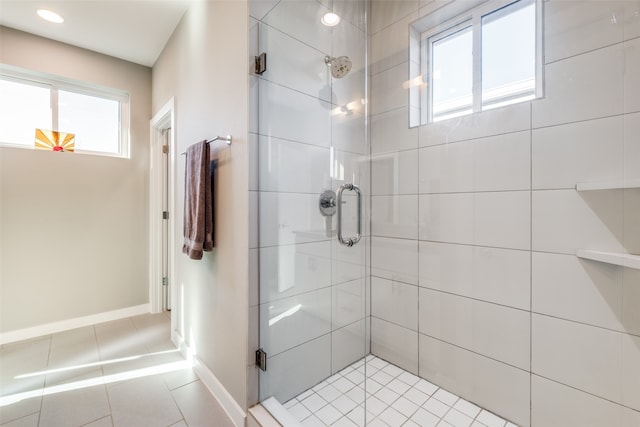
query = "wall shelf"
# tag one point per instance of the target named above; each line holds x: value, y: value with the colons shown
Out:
x: 616, y: 258
x: 608, y: 185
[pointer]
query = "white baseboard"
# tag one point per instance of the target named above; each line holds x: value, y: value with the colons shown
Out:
x: 230, y: 406
x: 65, y: 325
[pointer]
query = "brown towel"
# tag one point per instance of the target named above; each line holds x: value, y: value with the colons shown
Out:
x: 198, y: 212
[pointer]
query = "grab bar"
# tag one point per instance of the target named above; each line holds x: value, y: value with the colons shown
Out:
x: 349, y: 241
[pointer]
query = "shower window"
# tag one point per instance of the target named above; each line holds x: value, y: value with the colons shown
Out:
x: 98, y: 117
x: 483, y: 58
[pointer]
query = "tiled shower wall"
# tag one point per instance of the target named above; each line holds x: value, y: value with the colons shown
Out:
x: 307, y: 135
x: 476, y: 221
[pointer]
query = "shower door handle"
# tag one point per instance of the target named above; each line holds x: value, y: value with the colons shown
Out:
x: 349, y: 241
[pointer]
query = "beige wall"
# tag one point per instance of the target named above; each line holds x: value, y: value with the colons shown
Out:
x: 73, y: 228
x: 204, y: 67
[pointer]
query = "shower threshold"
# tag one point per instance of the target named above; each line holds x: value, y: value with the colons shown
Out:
x: 395, y: 397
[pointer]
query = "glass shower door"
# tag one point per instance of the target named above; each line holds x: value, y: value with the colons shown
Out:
x: 308, y: 139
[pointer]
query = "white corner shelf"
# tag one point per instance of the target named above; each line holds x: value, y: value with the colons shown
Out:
x: 622, y: 259
x: 608, y: 185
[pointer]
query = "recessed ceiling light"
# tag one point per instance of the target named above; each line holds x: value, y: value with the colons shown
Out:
x: 50, y: 16
x: 330, y: 19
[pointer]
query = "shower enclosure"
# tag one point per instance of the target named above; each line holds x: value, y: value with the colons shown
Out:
x: 310, y: 191
x: 447, y: 251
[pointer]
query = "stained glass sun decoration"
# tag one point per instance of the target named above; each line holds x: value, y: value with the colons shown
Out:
x: 54, y: 140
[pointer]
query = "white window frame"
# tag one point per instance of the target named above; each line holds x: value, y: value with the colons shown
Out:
x: 56, y: 83
x: 428, y: 31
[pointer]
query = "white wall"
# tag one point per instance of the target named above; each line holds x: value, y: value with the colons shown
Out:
x: 73, y: 227
x: 204, y: 66
x: 476, y: 221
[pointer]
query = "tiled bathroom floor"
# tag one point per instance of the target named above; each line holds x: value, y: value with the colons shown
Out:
x: 396, y: 398
x: 121, y: 373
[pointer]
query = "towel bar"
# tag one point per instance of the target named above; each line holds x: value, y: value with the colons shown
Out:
x: 226, y: 139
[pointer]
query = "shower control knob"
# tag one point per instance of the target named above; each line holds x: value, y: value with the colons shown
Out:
x: 327, y: 203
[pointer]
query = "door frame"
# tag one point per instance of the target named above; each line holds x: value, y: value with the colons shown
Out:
x: 162, y: 120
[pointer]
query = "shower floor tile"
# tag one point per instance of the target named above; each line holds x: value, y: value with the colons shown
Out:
x: 395, y: 397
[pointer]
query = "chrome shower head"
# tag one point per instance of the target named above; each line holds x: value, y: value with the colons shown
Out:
x: 340, y: 66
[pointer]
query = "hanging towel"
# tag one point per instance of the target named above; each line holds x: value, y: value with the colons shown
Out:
x: 198, y: 212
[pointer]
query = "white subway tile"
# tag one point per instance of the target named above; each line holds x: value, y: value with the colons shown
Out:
x: 253, y: 334
x: 288, y: 114
x: 447, y: 218
x: 631, y: 300
x: 631, y: 220
x: 395, y: 302
x: 395, y: 216
x: 390, y: 132
x: 348, y: 128
x: 254, y: 219
x: 490, y: 384
x: 287, y: 218
x: 294, y: 64
x: 254, y: 104
x: 348, y: 263
x: 574, y: 27
x: 631, y: 20
x: 589, y: 151
x: 296, y: 370
x: 487, y: 164
x: 394, y: 173
x: 492, y: 330
x: 583, y: 87
x: 632, y: 146
x: 580, y: 356
x: 301, y: 20
x: 349, y: 93
x: 386, y: 12
x: 395, y: 344
x: 348, y: 301
x: 568, y: 287
x: 499, y: 219
x: 513, y: 118
x: 289, y: 270
x: 390, y: 46
x: 631, y: 371
x: 631, y: 73
x: 289, y: 322
x: 354, y: 11
x: 389, y: 89
x: 289, y: 166
x: 259, y: 8
x: 565, y: 220
x: 554, y: 404
x: 253, y: 162
x: 348, y: 345
x: 254, y: 274
x: 494, y: 275
x: 395, y: 259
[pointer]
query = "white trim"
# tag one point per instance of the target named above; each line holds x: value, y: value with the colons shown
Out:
x: 164, y: 118
x: 215, y: 387
x: 280, y: 413
x: 78, y: 322
x: 262, y: 417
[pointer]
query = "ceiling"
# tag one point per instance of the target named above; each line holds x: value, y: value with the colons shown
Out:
x: 134, y: 30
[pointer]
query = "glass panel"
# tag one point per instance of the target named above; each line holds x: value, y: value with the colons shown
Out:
x: 509, y: 55
x: 23, y: 109
x: 309, y: 110
x: 452, y: 75
x: 95, y: 121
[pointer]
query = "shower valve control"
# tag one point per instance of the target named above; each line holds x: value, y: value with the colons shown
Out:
x: 327, y: 203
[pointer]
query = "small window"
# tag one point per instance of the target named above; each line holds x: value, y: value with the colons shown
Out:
x: 483, y: 58
x: 98, y: 117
